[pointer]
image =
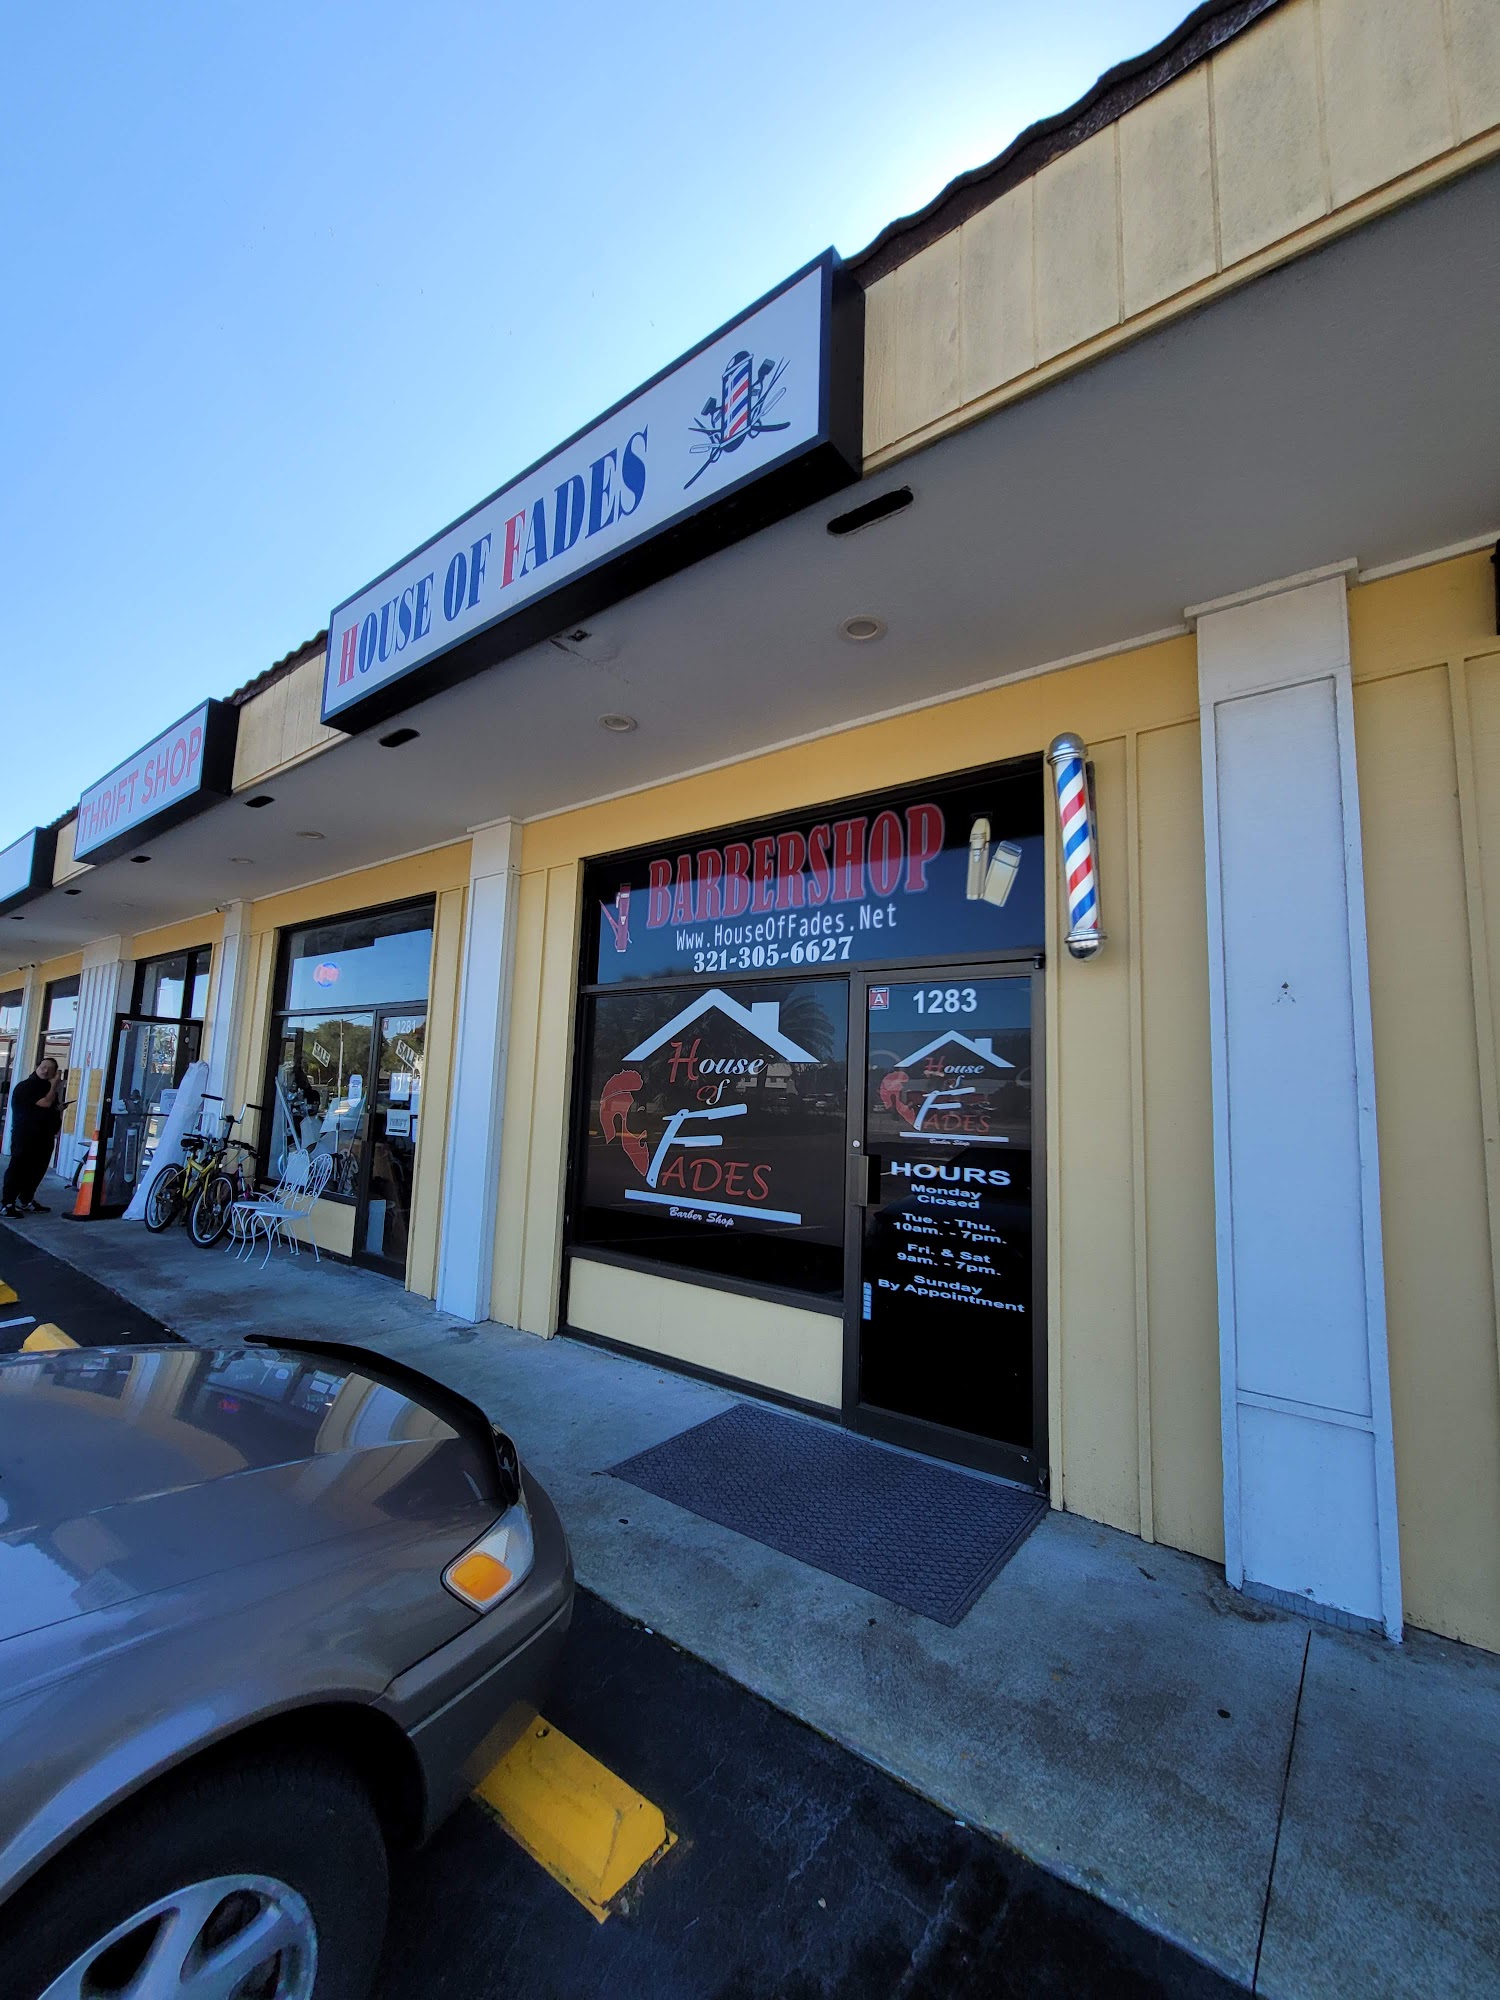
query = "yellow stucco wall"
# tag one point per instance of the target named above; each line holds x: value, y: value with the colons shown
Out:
x: 1427, y: 727
x: 1132, y: 1321
x: 442, y: 873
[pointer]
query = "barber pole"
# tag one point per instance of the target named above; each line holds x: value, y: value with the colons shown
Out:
x: 1068, y: 756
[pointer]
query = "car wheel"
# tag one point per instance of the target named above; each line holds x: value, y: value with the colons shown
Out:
x: 263, y: 1881
x: 163, y: 1201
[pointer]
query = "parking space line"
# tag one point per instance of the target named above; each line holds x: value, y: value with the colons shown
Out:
x: 26, y: 1319
x: 46, y: 1340
x: 586, y: 1827
x: 8, y: 1294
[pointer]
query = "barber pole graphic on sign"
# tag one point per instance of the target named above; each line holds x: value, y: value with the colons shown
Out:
x: 1068, y: 756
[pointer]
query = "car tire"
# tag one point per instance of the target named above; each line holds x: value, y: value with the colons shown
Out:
x: 284, y: 1823
x: 165, y: 1199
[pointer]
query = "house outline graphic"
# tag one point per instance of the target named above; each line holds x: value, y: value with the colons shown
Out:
x: 761, y: 1019
x: 980, y: 1045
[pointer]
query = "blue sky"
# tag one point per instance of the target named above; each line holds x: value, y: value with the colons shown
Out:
x: 288, y: 287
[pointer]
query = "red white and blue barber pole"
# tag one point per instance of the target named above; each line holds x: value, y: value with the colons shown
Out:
x: 1068, y: 756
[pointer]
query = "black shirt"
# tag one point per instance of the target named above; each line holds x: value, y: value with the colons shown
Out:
x: 29, y: 1117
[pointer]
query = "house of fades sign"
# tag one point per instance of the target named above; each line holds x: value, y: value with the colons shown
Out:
x: 179, y: 773
x: 948, y: 870
x: 760, y: 419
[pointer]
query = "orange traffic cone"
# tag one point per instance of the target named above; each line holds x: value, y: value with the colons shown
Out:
x: 84, y: 1206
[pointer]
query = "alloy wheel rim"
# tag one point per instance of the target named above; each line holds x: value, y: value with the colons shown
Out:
x: 232, y: 1937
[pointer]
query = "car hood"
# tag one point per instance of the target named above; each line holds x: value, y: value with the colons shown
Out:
x: 126, y: 1471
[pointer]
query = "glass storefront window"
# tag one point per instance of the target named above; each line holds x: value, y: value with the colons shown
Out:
x: 713, y: 1129
x: 175, y: 988
x: 372, y: 960
x: 322, y: 1071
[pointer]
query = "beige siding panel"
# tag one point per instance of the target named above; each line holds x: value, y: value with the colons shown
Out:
x: 257, y: 745
x: 999, y: 319
x: 1092, y: 1131
x: 1385, y: 90
x: 1166, y: 192
x: 1187, y: 1465
x: 302, y: 727
x: 64, y: 867
x: 1268, y: 132
x: 250, y: 1058
x: 1474, y: 46
x: 1445, y: 1391
x: 330, y: 1226
x: 916, y: 374
x: 432, y: 1119
x: 797, y: 1353
x: 524, y: 1089
x: 1077, y: 249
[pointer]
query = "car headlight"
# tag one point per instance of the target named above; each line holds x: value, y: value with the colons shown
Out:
x: 498, y: 1563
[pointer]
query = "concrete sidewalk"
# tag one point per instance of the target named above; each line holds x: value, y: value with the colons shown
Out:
x: 1313, y: 1812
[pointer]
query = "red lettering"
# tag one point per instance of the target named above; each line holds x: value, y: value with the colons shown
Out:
x: 195, y: 743
x: 682, y: 902
x: 671, y: 1174
x: 760, y: 1178
x: 849, y: 860
x: 819, y: 842
x: 885, y: 854
x: 765, y: 873
x: 348, y: 653
x: 924, y: 842
x: 515, y: 531
x: 791, y: 857
x: 734, y: 1176
x: 688, y: 1062
x: 736, y: 879
x: 710, y: 868
x: 705, y: 1176
x: 658, y: 895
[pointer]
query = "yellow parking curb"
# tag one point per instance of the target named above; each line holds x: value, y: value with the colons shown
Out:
x: 8, y: 1294
x: 585, y: 1826
x: 46, y: 1339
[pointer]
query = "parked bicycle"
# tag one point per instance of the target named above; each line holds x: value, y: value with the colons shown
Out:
x: 217, y: 1171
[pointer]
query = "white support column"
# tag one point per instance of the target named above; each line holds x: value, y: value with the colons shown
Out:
x: 103, y: 992
x: 472, y: 1170
x: 228, y: 983
x: 25, y: 1059
x: 1309, y: 1466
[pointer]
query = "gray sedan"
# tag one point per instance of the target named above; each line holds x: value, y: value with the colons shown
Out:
x: 265, y: 1612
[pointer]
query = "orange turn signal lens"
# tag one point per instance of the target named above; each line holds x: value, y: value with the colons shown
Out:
x: 478, y: 1577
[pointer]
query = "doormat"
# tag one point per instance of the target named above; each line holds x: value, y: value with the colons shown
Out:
x: 927, y: 1536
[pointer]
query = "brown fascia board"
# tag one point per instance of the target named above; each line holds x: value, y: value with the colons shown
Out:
x: 1119, y: 90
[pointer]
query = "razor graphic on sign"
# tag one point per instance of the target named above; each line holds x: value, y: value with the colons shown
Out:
x: 739, y: 413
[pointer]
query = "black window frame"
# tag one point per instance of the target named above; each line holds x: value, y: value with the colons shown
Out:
x: 192, y: 953
x: 280, y: 1014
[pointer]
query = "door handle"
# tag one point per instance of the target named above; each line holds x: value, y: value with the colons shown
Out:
x: 864, y: 1180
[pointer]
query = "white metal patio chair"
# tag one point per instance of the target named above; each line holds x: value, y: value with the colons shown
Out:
x: 303, y: 1180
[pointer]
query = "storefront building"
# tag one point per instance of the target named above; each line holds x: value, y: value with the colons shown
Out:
x: 656, y: 896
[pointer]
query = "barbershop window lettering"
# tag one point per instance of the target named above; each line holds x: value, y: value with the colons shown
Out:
x: 713, y: 1129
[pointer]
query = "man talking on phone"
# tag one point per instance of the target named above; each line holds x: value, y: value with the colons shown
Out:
x: 35, y: 1121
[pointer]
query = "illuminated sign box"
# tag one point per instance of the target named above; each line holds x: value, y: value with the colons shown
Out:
x: 187, y: 768
x: 759, y: 420
x: 26, y: 867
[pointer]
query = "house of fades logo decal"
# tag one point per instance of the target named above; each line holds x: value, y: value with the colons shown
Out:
x: 682, y: 1163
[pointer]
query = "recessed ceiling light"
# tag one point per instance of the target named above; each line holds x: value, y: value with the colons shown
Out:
x: 72, y: 892
x: 618, y: 725
x: 399, y: 736
x: 307, y: 833
x: 140, y: 860
x: 260, y: 799
x: 881, y: 509
x: 860, y: 630
x: 15, y: 916
x: 243, y: 860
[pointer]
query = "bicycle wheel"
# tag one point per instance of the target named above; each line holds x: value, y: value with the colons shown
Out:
x: 209, y: 1215
x: 165, y: 1199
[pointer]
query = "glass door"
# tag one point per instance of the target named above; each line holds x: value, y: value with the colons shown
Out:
x: 945, y: 1347
x: 150, y: 1060
x: 393, y: 1109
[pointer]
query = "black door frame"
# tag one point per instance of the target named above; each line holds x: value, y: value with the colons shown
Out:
x: 1028, y: 1468
x: 107, y: 1099
x: 373, y: 1260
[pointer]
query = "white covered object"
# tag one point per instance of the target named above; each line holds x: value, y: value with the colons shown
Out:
x: 183, y: 1117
